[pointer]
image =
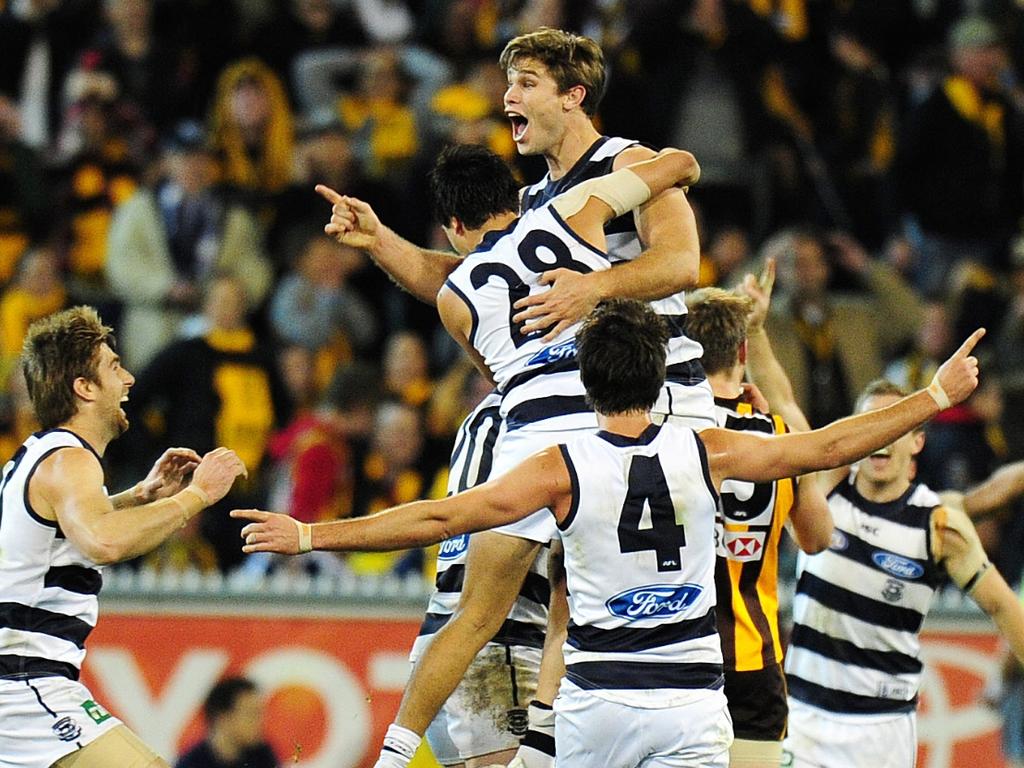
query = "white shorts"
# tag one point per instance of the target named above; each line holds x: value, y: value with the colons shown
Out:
x: 591, y: 732
x: 820, y: 739
x: 45, y: 718
x: 487, y: 712
x: 518, y: 445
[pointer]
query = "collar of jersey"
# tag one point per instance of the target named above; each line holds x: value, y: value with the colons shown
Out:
x: 644, y: 438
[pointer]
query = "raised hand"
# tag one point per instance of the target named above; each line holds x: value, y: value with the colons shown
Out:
x: 759, y: 289
x: 216, y: 473
x: 957, y: 378
x: 167, y: 476
x: 353, y: 222
x: 269, y: 532
x: 571, y: 298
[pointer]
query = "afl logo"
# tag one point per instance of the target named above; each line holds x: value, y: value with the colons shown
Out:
x: 453, y: 548
x: 897, y: 566
x: 656, y: 601
x: 838, y: 541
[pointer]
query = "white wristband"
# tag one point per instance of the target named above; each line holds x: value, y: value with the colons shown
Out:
x: 305, y: 536
x: 938, y: 394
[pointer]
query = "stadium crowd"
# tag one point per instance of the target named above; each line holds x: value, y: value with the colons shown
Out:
x: 158, y: 158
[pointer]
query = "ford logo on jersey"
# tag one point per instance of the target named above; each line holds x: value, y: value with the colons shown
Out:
x: 565, y: 350
x: 656, y: 601
x: 897, y: 566
x: 452, y: 548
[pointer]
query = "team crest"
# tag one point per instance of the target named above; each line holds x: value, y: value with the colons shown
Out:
x: 893, y: 590
x: 518, y: 721
x: 67, y: 729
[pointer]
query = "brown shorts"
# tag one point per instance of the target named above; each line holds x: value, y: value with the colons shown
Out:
x: 757, y: 703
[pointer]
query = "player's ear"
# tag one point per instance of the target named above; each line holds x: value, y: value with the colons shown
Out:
x: 456, y: 226
x: 573, y: 98
x: 742, y: 352
x: 84, y: 389
x: 918, y: 441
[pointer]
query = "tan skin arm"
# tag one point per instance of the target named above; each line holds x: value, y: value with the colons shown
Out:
x: 458, y: 321
x: 993, y: 595
x: 811, y: 517
x: 166, y: 478
x: 1002, y: 487
x: 669, y: 264
x: 67, y: 488
x: 540, y: 481
x: 419, y: 271
x: 759, y: 458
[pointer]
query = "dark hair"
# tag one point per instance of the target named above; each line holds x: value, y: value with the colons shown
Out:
x: 717, y: 320
x: 224, y: 695
x: 57, y: 350
x: 472, y: 184
x: 570, y: 59
x: 621, y: 349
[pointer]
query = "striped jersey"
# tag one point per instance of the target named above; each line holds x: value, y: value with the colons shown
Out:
x: 640, y: 564
x: 624, y: 245
x: 48, y: 588
x: 751, y: 517
x: 860, y: 605
x: 472, y: 459
x: 538, y: 381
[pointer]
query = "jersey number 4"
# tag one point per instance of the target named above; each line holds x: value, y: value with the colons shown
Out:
x: 665, y: 536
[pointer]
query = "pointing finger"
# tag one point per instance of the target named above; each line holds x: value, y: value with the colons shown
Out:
x: 972, y: 340
x: 327, y: 193
x: 256, y: 515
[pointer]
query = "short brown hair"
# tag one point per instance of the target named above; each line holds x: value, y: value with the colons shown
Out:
x: 717, y: 320
x: 59, y: 349
x: 621, y: 352
x: 571, y: 59
x: 879, y: 388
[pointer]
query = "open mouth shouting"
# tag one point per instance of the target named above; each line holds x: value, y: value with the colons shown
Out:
x: 881, y: 458
x: 519, y: 125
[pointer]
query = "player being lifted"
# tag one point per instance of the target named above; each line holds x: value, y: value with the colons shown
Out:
x: 643, y: 659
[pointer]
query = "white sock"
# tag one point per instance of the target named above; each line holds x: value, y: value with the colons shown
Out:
x: 538, y: 746
x: 400, y: 744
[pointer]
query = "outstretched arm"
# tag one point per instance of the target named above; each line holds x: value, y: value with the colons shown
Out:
x: 540, y: 481
x: 419, y: 271
x: 668, y: 265
x: 1002, y: 487
x: 752, y: 457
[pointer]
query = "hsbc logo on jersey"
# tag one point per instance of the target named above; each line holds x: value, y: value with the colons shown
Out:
x: 743, y: 546
x: 655, y: 601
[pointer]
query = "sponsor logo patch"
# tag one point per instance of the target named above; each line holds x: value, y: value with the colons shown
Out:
x: 562, y: 351
x: 95, y: 712
x: 653, y: 601
x: 453, y: 547
x: 898, y: 566
x: 744, y: 546
x: 67, y: 729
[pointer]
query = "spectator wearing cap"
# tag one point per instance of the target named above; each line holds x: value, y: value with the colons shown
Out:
x: 167, y: 242
x: 959, y: 165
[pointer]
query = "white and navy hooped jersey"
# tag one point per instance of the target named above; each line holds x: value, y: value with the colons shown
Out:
x: 624, y: 245
x: 640, y: 564
x: 860, y: 605
x: 48, y: 589
x: 472, y: 459
x: 539, y: 382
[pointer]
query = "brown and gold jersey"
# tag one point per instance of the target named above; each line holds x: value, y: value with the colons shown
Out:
x: 748, y: 528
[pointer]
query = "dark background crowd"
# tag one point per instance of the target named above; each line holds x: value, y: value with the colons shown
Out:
x: 158, y: 157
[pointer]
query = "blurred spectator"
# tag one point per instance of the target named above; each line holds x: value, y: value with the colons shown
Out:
x: 933, y: 343
x: 98, y: 168
x: 314, y: 306
x: 296, y: 366
x: 727, y: 257
x: 150, y: 70
x: 24, y: 204
x: 1009, y: 358
x: 252, y: 129
x: 222, y: 388
x: 471, y: 111
x: 166, y: 243
x: 17, y: 416
x: 41, y: 41
x: 968, y: 131
x: 407, y: 369
x: 233, y: 711
x: 390, y: 474
x: 37, y: 291
x: 832, y: 344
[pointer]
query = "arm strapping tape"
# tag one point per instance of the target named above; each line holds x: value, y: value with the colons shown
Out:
x: 966, y: 567
x: 622, y: 190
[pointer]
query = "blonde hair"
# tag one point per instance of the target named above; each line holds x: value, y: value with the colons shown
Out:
x: 570, y: 59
